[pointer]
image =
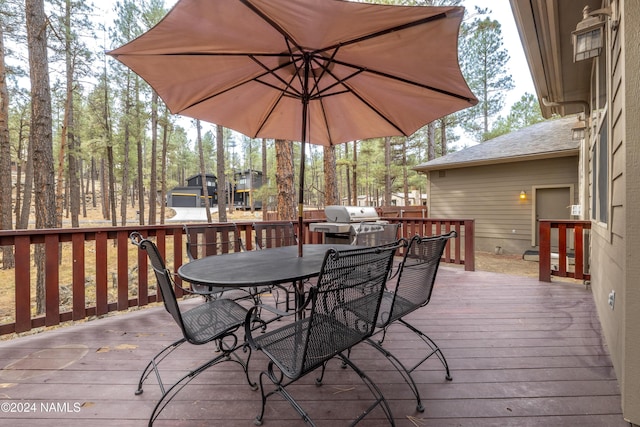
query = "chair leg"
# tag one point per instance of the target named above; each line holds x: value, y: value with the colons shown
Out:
x: 373, y: 388
x: 434, y: 349
x: 402, y: 369
x: 406, y: 374
x: 226, y: 353
x: 153, y: 365
x: 278, y: 380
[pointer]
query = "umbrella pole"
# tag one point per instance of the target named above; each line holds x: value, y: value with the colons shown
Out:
x: 305, y: 108
x: 301, y: 201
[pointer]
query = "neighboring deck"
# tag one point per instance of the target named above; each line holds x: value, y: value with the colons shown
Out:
x: 521, y: 352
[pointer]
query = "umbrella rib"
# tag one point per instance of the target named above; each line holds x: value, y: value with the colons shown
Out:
x: 386, y: 31
x: 403, y: 80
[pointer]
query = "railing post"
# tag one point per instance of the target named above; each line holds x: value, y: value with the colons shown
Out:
x: 78, y: 282
x: 544, y: 254
x: 469, y: 246
x: 578, y: 266
x: 23, y: 283
x: 52, y: 286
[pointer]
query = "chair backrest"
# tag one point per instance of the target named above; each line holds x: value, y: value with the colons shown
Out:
x: 163, y: 277
x: 417, y: 275
x: 389, y: 234
x: 346, y: 277
x: 212, y: 239
x: 274, y: 234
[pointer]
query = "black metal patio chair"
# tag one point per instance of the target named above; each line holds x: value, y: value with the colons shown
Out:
x: 211, y: 321
x: 413, y: 289
x: 330, y: 328
x: 275, y: 235
x: 204, y: 240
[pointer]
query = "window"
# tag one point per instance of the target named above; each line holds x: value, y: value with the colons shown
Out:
x: 600, y: 175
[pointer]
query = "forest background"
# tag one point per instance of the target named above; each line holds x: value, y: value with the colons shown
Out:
x: 81, y: 132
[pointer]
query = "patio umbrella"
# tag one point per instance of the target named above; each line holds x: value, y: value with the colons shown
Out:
x: 317, y: 71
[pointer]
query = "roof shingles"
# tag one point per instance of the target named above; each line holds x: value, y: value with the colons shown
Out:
x: 551, y: 138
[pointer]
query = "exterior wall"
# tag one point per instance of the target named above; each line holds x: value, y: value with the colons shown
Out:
x: 615, y: 245
x: 631, y: 93
x: 630, y: 134
x: 490, y: 195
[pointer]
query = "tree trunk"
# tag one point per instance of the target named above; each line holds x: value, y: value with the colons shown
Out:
x: 112, y: 184
x: 284, y: 180
x: 19, y: 161
x: 265, y: 199
x: 93, y: 182
x: 203, y: 173
x: 355, y: 174
x: 40, y: 134
x: 73, y: 149
x: 6, y: 222
x: 330, y: 178
x: 431, y: 141
x: 405, y: 177
x: 443, y: 136
x: 153, y: 186
x: 222, y: 182
x: 163, y: 166
x: 348, y: 173
x: 387, y: 171
x: 127, y: 143
x: 140, y: 179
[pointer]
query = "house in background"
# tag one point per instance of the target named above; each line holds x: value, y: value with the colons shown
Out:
x: 507, y: 184
x: 601, y: 80
x: 191, y: 196
x: 246, y: 182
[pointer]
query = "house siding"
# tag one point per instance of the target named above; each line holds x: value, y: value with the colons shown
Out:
x: 630, y: 136
x: 615, y: 247
x: 489, y: 194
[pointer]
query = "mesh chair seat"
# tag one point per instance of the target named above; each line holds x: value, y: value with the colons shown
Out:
x: 209, y: 320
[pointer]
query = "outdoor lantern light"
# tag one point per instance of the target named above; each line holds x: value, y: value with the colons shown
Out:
x: 588, y: 38
x: 578, y: 130
x: 523, y: 195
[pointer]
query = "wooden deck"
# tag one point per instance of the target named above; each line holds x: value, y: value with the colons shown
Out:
x: 521, y: 352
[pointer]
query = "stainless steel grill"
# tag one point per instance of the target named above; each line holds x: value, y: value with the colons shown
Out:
x: 345, y: 223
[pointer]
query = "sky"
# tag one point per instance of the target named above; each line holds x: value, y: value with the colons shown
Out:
x: 518, y: 67
x: 500, y: 10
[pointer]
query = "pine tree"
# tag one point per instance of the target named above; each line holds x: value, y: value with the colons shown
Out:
x: 483, y: 62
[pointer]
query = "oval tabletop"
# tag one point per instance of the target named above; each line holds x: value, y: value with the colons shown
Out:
x: 259, y: 267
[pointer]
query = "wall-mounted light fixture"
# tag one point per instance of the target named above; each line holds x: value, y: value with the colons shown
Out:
x: 578, y: 130
x: 588, y: 38
x: 523, y: 195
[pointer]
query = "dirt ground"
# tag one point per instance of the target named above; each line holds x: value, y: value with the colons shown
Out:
x: 507, y: 264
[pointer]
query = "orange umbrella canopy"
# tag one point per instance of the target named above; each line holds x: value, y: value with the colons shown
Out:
x: 319, y: 71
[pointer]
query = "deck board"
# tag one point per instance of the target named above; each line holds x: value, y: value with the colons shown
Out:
x: 521, y: 353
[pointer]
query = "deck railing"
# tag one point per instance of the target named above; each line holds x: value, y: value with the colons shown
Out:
x: 91, y: 272
x: 573, y: 245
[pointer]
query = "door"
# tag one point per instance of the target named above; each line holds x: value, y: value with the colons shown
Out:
x: 552, y: 203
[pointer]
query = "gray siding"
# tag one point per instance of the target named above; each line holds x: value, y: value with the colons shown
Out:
x: 615, y: 247
x: 490, y: 195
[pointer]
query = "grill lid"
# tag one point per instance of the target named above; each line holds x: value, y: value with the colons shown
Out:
x: 349, y: 214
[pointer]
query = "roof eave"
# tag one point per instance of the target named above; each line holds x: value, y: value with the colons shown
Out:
x: 502, y: 160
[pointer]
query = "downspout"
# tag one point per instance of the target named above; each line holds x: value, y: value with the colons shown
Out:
x: 586, y: 109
